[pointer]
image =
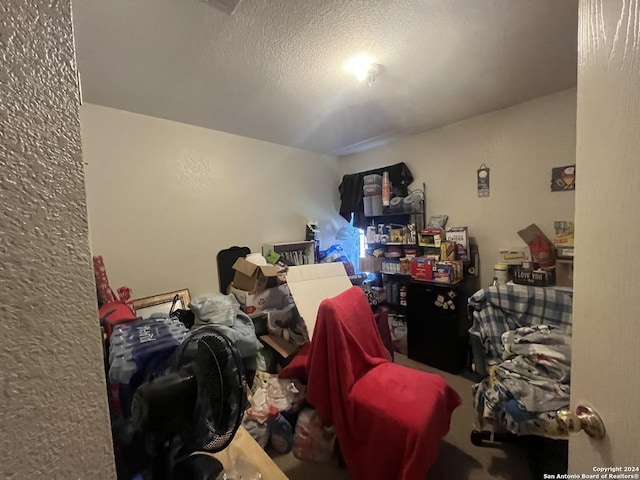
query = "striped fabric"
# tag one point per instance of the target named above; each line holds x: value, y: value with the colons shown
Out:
x: 498, y: 309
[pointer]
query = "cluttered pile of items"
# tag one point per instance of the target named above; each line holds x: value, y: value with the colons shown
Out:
x: 169, y: 360
x: 277, y: 417
x: 434, y: 253
x: 543, y: 262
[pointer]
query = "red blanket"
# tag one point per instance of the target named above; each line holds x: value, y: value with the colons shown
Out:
x: 389, y: 419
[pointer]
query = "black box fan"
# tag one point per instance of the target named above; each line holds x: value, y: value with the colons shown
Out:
x: 196, y: 408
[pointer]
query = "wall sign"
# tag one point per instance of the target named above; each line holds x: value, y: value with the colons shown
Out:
x: 563, y: 178
x: 483, y: 181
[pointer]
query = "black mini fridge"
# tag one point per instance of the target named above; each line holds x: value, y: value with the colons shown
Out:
x: 437, y: 325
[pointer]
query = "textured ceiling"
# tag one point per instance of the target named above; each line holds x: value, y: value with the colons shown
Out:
x: 273, y: 69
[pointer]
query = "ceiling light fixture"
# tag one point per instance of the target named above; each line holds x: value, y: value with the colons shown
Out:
x: 363, y: 67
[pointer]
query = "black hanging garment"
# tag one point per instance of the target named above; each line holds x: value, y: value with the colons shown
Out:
x: 351, y: 190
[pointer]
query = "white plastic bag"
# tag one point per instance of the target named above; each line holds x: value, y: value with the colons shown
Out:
x: 313, y: 439
x: 214, y: 308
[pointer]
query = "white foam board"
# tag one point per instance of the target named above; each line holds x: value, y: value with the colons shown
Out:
x: 311, y: 284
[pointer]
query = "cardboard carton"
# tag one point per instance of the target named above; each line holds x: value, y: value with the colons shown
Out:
x: 253, y: 278
x: 514, y: 255
x: 460, y: 237
x: 542, y: 249
x: 422, y: 268
x: 564, y: 234
x: 431, y: 237
x: 564, y: 273
x: 448, y: 271
x: 448, y: 251
x: 565, y: 253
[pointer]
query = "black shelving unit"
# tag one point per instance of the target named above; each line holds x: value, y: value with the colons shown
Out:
x: 402, y: 217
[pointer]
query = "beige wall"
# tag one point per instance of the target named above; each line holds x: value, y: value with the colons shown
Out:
x: 165, y: 197
x: 54, y: 418
x: 520, y: 145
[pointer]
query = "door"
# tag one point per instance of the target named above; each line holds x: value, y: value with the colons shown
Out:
x: 606, y: 335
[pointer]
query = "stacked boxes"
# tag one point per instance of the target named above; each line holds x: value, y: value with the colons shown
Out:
x: 258, y: 287
x: 450, y: 271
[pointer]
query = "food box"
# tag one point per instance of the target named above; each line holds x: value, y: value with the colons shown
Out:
x: 514, y: 255
x: 564, y: 234
x: 448, y: 251
x: 564, y: 252
x: 448, y: 272
x: 460, y: 237
x: 422, y: 268
x: 430, y: 237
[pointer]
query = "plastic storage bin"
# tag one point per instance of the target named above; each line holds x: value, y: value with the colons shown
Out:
x: 373, y: 179
x: 372, y: 190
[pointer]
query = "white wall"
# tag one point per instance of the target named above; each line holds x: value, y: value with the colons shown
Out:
x: 165, y: 197
x: 54, y: 417
x: 520, y: 145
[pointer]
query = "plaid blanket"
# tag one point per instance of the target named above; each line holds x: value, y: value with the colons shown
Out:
x: 502, y: 308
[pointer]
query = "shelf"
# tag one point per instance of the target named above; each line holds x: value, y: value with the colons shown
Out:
x: 421, y: 213
x: 300, y: 252
x: 441, y: 284
x: 399, y: 214
x: 394, y: 244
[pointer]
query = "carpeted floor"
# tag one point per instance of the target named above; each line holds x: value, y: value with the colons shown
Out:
x: 459, y: 459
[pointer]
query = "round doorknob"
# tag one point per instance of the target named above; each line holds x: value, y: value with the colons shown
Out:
x: 585, y: 419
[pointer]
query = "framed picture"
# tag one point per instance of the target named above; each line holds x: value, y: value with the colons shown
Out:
x: 563, y: 178
x: 162, y: 303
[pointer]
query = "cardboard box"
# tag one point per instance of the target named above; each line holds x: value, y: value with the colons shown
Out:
x: 514, y: 255
x: 422, y: 268
x: 460, y: 237
x: 253, y: 278
x: 542, y: 249
x: 526, y: 275
x: 564, y: 234
x: 311, y: 284
x: 252, y: 302
x: 448, y: 272
x: 564, y: 273
x: 430, y: 237
x: 448, y: 251
x: 564, y: 252
x: 371, y: 264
